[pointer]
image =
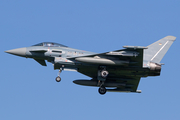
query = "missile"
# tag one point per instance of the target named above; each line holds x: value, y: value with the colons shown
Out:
x: 102, y: 61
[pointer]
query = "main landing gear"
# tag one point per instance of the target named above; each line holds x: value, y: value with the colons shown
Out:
x: 102, y: 75
x: 102, y: 90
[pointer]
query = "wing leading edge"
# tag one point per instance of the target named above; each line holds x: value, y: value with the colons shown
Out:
x: 130, y: 56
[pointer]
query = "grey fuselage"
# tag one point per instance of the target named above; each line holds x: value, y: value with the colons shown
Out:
x: 74, y: 59
x: 57, y: 55
x: 121, y: 69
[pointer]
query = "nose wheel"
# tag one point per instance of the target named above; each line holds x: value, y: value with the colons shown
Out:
x: 58, y: 79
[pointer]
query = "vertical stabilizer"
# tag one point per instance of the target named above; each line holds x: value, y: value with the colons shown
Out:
x: 158, y: 49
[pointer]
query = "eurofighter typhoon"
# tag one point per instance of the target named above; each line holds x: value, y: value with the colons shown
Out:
x: 114, y: 71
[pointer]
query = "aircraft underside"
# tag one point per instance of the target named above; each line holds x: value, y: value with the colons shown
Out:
x: 119, y: 70
x: 119, y: 79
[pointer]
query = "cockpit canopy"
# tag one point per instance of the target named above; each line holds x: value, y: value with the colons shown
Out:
x: 50, y: 44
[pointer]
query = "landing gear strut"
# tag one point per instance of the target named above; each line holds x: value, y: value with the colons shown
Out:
x: 102, y: 75
x: 58, y: 78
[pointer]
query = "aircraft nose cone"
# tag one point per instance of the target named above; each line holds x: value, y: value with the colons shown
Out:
x: 19, y: 52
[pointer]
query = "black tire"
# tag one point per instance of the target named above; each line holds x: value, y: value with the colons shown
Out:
x: 102, y: 90
x: 58, y: 79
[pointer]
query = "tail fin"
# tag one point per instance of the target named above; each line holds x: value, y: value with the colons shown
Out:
x: 157, y: 50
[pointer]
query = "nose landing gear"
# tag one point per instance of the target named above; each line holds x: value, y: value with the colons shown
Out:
x: 58, y: 78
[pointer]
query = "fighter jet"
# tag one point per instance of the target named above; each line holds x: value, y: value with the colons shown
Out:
x: 114, y: 71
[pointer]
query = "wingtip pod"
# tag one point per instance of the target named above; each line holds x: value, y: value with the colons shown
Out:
x: 173, y: 38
